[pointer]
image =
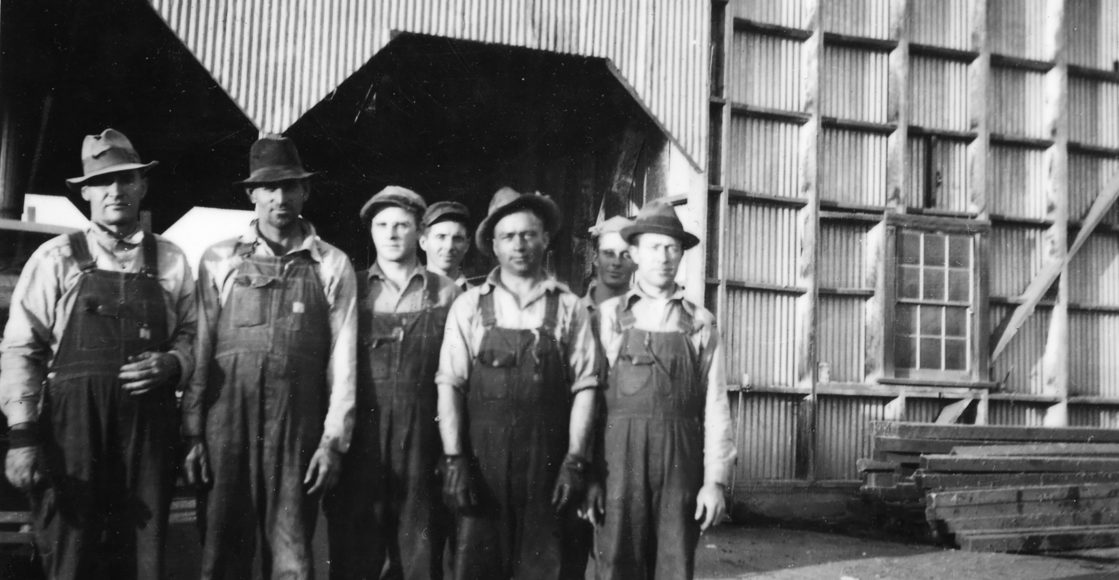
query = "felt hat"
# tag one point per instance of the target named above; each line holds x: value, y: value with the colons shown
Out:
x: 613, y: 225
x: 446, y: 210
x: 394, y: 195
x: 508, y: 200
x: 108, y: 152
x: 274, y: 158
x: 658, y: 217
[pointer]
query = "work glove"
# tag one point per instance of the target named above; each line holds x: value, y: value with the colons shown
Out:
x: 460, y: 491
x: 571, y: 485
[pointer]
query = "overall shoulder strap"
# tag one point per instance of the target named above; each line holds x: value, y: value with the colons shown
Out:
x: 485, y: 304
x: 551, y: 313
x: 150, y: 248
x: 79, y: 251
x: 625, y: 319
x: 431, y: 295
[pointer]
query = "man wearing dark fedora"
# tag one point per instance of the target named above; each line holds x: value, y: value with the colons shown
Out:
x: 269, y: 411
x: 668, y: 444
x: 446, y: 240
x: 101, y: 331
x: 387, y: 506
x: 517, y: 379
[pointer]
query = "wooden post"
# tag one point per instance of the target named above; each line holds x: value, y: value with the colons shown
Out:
x: 979, y: 81
x: 897, y: 144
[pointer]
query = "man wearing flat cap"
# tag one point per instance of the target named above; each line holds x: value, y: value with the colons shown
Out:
x: 517, y: 380
x: 100, y: 333
x: 269, y: 411
x: 446, y: 239
x: 387, y: 506
x: 668, y: 444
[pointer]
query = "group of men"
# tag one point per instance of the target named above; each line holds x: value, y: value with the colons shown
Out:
x: 446, y: 429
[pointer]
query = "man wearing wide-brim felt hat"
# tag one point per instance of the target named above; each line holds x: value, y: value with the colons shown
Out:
x: 106, y: 153
x: 517, y: 379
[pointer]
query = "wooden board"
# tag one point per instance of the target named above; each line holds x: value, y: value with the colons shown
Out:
x: 1023, y: 521
x: 1041, y: 493
x: 963, y: 464
x: 905, y: 445
x: 15, y: 517
x: 995, y: 433
x: 1025, y: 508
x: 16, y: 537
x: 941, y: 481
x: 1036, y: 449
x: 1044, y: 540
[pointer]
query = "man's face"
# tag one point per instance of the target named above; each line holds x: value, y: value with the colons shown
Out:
x: 279, y: 204
x: 614, y: 266
x: 519, y: 241
x: 394, y: 232
x: 658, y: 258
x: 446, y: 244
x: 114, y: 198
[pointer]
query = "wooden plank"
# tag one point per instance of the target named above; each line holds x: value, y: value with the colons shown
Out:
x: 16, y: 538
x: 866, y: 465
x: 996, y: 433
x: 902, y: 445
x: 1038, y: 449
x: 15, y: 517
x: 1025, y: 464
x: 1019, y: 521
x: 1041, y: 493
x: 1053, y: 540
x: 1035, y: 508
x: 942, y: 481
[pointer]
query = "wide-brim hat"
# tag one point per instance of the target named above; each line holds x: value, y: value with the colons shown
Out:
x: 108, y: 152
x: 508, y: 200
x: 658, y: 217
x: 274, y: 158
x: 395, y: 196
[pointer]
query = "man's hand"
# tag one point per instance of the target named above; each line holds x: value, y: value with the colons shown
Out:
x: 710, y: 504
x: 571, y: 483
x: 147, y: 370
x: 196, y: 465
x: 594, y: 505
x: 24, y: 467
x: 460, y: 492
x: 326, y: 466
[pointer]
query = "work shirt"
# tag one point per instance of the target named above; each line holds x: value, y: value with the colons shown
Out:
x: 463, y: 337
x: 390, y: 298
x: 215, y: 284
x: 44, y: 298
x: 661, y: 315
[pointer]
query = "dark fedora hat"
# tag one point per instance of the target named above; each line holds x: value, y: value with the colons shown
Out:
x: 658, y: 217
x: 109, y: 152
x: 394, y: 195
x: 508, y: 200
x: 274, y: 158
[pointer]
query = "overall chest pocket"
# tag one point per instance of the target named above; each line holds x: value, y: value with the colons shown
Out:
x: 637, y: 371
x: 250, y: 300
x: 380, y: 352
x: 98, y: 324
x: 495, y: 370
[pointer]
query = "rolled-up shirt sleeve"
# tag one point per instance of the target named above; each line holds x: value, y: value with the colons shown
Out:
x: 718, y: 445
x: 456, y: 354
x: 342, y: 371
x: 25, y: 351
x: 583, y: 351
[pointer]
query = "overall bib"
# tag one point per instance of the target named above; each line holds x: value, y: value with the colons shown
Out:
x: 519, y: 405
x: 111, y: 456
x: 387, y: 504
x: 654, y: 455
x: 266, y: 401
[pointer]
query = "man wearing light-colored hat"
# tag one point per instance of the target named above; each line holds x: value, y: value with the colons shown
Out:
x: 446, y: 240
x: 668, y: 445
x: 100, y: 333
x: 387, y: 506
x: 517, y: 379
x: 269, y: 411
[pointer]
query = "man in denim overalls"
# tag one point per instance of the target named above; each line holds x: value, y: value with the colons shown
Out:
x: 517, y: 380
x: 270, y: 409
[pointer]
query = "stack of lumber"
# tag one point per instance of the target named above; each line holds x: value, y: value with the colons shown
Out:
x: 998, y: 488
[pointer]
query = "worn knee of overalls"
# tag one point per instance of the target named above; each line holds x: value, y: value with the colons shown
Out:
x: 265, y: 404
x: 110, y: 455
x: 654, y: 454
x: 518, y: 408
x: 387, y: 504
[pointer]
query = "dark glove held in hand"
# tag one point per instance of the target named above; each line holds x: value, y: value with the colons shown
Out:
x: 571, y: 484
x: 459, y: 488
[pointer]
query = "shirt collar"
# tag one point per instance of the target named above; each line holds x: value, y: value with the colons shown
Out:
x: 375, y: 271
x: 637, y: 293
x: 109, y: 239
x: 310, y: 243
x: 493, y: 280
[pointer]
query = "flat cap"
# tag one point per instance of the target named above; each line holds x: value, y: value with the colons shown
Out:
x: 393, y: 195
x: 446, y: 210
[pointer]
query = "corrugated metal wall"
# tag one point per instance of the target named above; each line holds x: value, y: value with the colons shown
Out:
x: 1094, y: 37
x: 277, y: 59
x: 768, y: 74
x: 762, y: 156
x: 1092, y: 106
x: 1093, y: 344
x: 844, y: 423
x: 940, y: 23
x: 1020, y: 95
x: 1020, y: 368
x: 762, y: 337
x: 855, y: 84
x: 1018, y: 28
x: 1016, y: 181
x: 853, y: 168
x: 938, y: 90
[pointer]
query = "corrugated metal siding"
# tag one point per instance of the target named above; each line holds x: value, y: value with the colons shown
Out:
x: 1017, y: 28
x: 1094, y: 272
x: 1088, y: 175
x: 923, y: 410
x: 1093, y: 344
x: 766, y: 436
x: 1015, y: 413
x: 940, y: 23
x: 765, y: 71
x: 761, y: 342
x: 766, y: 243
x: 1082, y: 416
x: 1092, y: 112
x: 951, y: 170
x: 1021, y: 363
x: 844, y: 433
x: 938, y: 93
x: 869, y: 18
x: 278, y: 59
x: 855, y: 84
x: 762, y: 156
x: 842, y: 261
x: 790, y: 13
x: 1016, y: 181
x: 1019, y: 102
x: 842, y: 336
x: 1016, y: 254
x: 1093, y: 37
x: 854, y: 168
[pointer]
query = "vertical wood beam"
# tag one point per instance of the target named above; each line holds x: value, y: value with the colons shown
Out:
x: 897, y: 109
x: 806, y: 267
x: 1055, y: 360
x: 978, y: 151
